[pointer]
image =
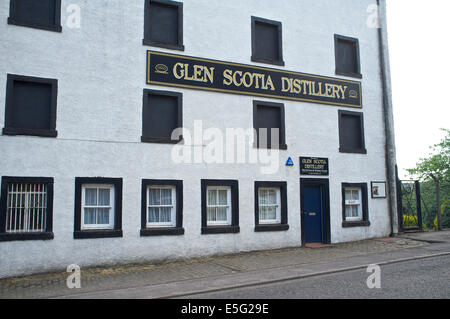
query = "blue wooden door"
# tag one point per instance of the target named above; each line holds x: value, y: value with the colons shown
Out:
x: 313, y: 213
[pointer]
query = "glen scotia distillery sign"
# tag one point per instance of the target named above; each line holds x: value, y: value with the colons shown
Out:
x: 211, y: 75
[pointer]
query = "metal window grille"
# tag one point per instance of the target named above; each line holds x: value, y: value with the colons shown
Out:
x: 26, y: 208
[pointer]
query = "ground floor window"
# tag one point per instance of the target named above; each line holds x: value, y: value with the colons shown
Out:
x: 271, y: 206
x: 98, y: 208
x: 220, y: 206
x: 355, y: 204
x: 162, y: 207
x: 26, y: 208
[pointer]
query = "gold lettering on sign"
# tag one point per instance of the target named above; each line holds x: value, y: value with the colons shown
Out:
x: 198, y: 73
x: 313, y: 88
x: 248, y: 79
x: 239, y: 78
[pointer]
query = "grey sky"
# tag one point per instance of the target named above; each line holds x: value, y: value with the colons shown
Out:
x: 420, y: 61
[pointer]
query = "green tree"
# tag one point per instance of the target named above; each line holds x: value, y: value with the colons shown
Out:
x: 437, y: 164
x: 435, y: 167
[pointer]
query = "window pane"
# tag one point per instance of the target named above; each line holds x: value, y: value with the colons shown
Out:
x: 153, y: 215
x: 263, y: 213
x: 211, y: 214
x: 165, y: 215
x: 348, y: 195
x: 272, y: 197
x: 89, y: 216
x: 212, y: 197
x: 223, y: 198
x: 348, y: 211
x: 155, y: 196
x: 271, y: 213
x: 222, y: 214
x: 103, y: 216
x: 103, y: 197
x: 166, y: 197
x: 91, y: 197
x: 262, y: 197
x: 355, y: 195
x: 355, y: 211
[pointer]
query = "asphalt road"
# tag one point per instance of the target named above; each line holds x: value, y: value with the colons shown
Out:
x: 426, y: 278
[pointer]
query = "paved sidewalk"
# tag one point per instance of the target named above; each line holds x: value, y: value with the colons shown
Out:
x: 178, y: 278
x: 429, y: 236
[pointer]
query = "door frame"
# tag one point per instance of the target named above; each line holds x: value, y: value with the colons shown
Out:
x: 326, y: 228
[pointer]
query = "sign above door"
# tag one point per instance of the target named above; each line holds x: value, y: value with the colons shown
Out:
x: 314, y: 166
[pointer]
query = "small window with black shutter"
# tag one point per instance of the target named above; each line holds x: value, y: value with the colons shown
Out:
x: 347, y: 56
x: 39, y: 14
x: 163, y: 25
x: 162, y: 114
x: 267, y: 43
x: 351, y: 132
x: 269, y: 125
x: 30, y: 106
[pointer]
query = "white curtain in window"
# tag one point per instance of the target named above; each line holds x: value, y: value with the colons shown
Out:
x: 103, y: 197
x: 217, y: 203
x: 161, y: 202
x: 91, y: 197
x: 155, y: 197
x: 353, y: 203
x: 267, y: 204
x: 95, y: 198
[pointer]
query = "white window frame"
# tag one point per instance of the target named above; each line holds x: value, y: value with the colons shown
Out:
x: 277, y: 219
x: 352, y: 203
x: 228, y: 206
x: 111, y: 207
x: 173, y: 215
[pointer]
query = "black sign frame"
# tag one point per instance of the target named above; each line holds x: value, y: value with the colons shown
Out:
x: 320, y: 167
x: 166, y: 69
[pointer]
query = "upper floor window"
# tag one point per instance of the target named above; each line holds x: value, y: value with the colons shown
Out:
x: 26, y: 208
x: 267, y: 42
x: 161, y: 115
x: 39, y: 14
x: 163, y: 25
x: 351, y: 132
x: 30, y: 106
x: 269, y: 125
x: 347, y: 56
